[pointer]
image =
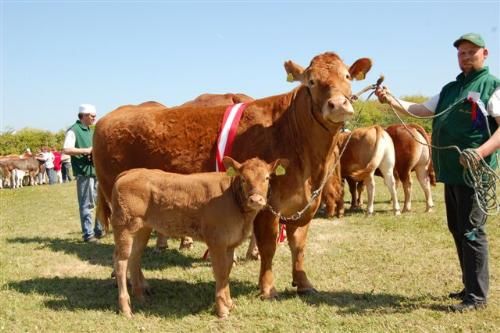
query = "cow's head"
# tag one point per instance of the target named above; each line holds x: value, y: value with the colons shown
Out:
x: 328, y: 80
x: 254, y: 176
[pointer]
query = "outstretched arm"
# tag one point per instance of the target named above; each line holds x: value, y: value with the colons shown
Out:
x: 402, y: 107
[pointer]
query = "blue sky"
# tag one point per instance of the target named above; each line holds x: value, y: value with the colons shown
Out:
x: 56, y: 55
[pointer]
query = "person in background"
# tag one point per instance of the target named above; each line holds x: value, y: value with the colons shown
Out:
x: 78, y: 144
x: 463, y: 124
x: 57, y: 165
x: 66, y: 168
x: 48, y: 158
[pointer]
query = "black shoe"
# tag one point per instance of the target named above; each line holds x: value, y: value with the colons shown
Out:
x: 91, y: 240
x: 101, y: 235
x: 459, y: 295
x: 467, y: 306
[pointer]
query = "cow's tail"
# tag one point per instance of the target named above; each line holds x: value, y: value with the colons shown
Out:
x: 361, y: 174
x: 430, y: 166
x: 103, y: 211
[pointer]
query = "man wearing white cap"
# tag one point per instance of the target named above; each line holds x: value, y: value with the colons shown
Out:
x: 78, y: 144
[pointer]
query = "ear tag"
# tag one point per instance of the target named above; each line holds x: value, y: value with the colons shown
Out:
x: 290, y: 78
x: 231, y: 172
x: 360, y: 76
x: 280, y: 170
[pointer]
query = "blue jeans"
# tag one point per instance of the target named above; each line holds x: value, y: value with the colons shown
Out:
x: 86, y: 188
x: 51, y: 174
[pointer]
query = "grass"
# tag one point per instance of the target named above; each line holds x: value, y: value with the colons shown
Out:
x: 379, y: 274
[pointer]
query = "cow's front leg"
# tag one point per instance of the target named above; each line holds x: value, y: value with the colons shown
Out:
x: 297, y: 237
x: 266, y: 231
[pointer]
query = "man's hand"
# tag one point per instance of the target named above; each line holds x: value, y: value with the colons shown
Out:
x: 383, y: 95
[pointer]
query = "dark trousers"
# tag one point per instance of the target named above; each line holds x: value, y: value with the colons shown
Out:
x: 66, y: 171
x: 461, y: 209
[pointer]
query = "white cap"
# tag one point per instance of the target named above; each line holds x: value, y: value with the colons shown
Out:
x: 86, y: 109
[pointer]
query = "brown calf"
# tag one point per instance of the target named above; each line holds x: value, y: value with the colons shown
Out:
x: 212, y: 207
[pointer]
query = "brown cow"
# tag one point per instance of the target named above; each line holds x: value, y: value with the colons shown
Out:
x: 412, y: 155
x: 368, y: 149
x: 212, y: 207
x: 301, y: 126
x: 30, y: 165
x: 207, y: 100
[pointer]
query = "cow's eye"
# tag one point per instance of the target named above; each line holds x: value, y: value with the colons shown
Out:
x: 311, y: 82
x: 348, y: 76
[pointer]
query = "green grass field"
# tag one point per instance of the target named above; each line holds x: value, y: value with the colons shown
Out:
x: 378, y: 274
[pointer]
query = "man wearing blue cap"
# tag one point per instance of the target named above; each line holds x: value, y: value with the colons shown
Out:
x: 470, y: 118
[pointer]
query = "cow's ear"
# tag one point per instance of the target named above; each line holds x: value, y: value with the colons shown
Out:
x: 231, y: 166
x: 295, y: 72
x: 279, y: 166
x: 359, y: 69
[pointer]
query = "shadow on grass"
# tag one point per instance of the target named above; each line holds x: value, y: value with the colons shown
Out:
x: 349, y: 302
x: 171, y: 298
x: 101, y: 253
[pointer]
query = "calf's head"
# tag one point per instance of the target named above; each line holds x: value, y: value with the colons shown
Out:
x: 254, y: 176
x: 328, y: 80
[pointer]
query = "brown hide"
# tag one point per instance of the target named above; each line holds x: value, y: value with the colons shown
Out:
x: 408, y: 149
x: 409, y: 152
x: 207, y: 100
x: 357, y: 159
x: 301, y: 126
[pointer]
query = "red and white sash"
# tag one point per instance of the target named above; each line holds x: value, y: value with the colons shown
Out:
x: 228, y: 131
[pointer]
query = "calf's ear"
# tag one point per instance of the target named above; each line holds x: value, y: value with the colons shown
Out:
x: 279, y: 166
x: 360, y: 67
x: 295, y: 72
x: 232, y: 166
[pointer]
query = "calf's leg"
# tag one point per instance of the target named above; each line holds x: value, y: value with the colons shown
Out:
x: 221, y: 266
x: 123, y: 248
x: 266, y: 231
x: 139, y: 284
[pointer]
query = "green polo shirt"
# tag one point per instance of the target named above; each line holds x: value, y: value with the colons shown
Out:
x: 82, y: 165
x: 456, y: 126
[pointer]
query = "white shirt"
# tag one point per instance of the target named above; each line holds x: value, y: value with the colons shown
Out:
x: 493, y: 107
x: 48, y: 157
x: 69, y: 139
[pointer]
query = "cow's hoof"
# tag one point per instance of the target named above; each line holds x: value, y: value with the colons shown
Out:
x: 307, y: 291
x: 272, y: 295
x: 397, y: 213
x: 127, y: 314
